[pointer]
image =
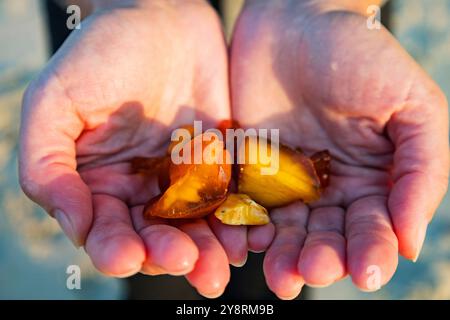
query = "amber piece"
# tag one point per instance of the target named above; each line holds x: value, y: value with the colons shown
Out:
x: 196, y: 189
x: 295, y: 179
x: 239, y: 209
x: 321, y: 161
x: 227, y: 124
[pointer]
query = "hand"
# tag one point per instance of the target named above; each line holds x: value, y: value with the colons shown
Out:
x: 327, y: 82
x: 114, y: 91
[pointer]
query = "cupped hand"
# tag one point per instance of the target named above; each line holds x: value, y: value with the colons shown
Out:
x: 114, y: 91
x: 328, y: 82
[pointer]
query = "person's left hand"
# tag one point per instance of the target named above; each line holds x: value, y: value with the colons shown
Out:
x: 328, y: 82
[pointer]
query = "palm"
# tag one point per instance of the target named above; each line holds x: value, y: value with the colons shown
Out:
x: 129, y: 77
x: 144, y: 87
x: 327, y: 90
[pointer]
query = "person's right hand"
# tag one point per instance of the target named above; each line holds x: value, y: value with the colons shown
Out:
x: 114, y: 91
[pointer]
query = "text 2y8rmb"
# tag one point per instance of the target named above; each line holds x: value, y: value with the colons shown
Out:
x: 235, y: 309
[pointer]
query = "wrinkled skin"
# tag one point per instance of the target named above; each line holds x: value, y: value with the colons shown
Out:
x: 330, y: 83
x: 115, y: 90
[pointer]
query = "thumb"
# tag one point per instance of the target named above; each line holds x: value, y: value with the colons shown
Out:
x: 421, y: 165
x: 47, y: 158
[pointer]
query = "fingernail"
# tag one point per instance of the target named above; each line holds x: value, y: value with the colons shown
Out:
x: 420, y: 240
x: 240, y: 263
x: 66, y: 226
x: 320, y: 286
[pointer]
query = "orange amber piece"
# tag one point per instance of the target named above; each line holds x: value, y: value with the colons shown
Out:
x: 227, y: 124
x: 196, y: 189
x: 321, y: 161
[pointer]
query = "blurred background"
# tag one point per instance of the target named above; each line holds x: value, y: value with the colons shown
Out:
x: 34, y: 254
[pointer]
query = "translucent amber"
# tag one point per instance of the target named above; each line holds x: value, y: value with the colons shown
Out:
x: 239, y: 209
x: 195, y: 189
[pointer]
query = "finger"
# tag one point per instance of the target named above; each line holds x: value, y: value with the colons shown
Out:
x: 112, y: 244
x: 280, y: 262
x: 322, y: 260
x: 260, y: 237
x: 169, y: 250
x: 47, y: 165
x: 372, y: 249
x: 233, y: 240
x: 421, y: 164
x: 212, y: 272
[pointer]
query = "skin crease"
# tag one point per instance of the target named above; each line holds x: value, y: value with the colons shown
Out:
x: 328, y: 82
x: 115, y: 90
